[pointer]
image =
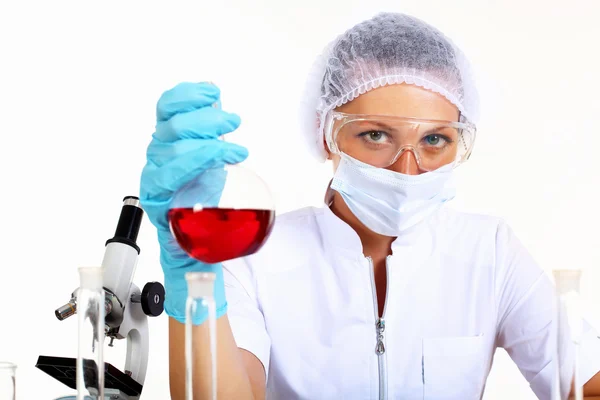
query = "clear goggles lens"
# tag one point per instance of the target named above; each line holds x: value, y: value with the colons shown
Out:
x: 381, y: 140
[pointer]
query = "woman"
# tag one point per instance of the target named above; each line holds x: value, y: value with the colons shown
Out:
x: 383, y: 292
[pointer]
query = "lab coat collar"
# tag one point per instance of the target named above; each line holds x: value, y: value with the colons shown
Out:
x: 337, y: 233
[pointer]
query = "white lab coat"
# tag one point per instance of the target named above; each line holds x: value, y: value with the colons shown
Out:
x: 459, y: 285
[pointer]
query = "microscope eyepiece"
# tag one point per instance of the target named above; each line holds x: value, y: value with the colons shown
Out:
x: 129, y: 223
x: 131, y: 201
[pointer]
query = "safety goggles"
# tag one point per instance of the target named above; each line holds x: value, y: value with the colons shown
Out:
x: 381, y: 140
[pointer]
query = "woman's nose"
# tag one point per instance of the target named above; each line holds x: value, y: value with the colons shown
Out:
x: 406, y: 164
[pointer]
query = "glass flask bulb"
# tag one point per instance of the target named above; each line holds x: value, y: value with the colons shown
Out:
x: 223, y: 213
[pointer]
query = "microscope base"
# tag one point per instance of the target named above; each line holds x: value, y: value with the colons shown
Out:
x: 116, y: 383
x: 109, y: 394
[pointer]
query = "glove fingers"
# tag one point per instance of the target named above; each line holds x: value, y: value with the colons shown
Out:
x: 160, y: 153
x: 203, y: 123
x: 233, y: 153
x: 185, y: 97
x: 162, y: 181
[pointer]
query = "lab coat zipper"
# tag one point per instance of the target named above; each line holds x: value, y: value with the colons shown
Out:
x: 380, y: 329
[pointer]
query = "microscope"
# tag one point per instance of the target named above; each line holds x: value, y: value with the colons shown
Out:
x: 127, y: 311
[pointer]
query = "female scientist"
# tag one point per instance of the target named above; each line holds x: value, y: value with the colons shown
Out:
x: 383, y: 292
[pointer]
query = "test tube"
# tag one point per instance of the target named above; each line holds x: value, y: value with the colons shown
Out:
x: 200, y: 306
x: 569, y: 326
x: 91, y: 312
x: 7, y: 381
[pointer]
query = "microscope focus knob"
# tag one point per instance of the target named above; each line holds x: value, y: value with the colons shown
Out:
x: 152, y: 299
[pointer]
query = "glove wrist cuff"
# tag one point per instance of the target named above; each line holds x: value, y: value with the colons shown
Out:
x: 176, y: 292
x: 199, y: 318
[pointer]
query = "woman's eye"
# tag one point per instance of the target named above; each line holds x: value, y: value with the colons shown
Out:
x: 433, y: 139
x: 436, y: 140
x: 374, y: 136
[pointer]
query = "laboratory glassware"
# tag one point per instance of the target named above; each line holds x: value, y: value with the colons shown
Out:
x: 568, y: 321
x: 7, y: 381
x: 91, y: 312
x: 223, y: 213
x: 200, y: 306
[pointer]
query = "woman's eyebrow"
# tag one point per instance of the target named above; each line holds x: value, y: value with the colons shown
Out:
x: 379, y: 124
x: 436, y: 129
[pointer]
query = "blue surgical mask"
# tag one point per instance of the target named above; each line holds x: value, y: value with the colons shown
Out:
x: 388, y: 202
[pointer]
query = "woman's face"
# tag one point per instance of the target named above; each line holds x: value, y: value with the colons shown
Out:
x: 402, y: 101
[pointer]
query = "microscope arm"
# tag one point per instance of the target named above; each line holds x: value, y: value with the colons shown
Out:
x: 135, y: 329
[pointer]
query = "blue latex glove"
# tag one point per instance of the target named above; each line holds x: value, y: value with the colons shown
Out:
x: 185, y: 144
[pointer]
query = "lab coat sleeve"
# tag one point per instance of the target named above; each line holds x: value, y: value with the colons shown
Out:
x: 243, y: 311
x: 525, y: 296
x: 524, y: 311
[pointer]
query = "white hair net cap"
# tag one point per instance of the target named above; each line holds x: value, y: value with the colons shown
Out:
x: 390, y: 48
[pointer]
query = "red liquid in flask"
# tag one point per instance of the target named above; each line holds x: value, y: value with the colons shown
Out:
x: 212, y: 235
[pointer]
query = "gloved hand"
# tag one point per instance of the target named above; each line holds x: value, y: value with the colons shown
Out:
x: 185, y: 143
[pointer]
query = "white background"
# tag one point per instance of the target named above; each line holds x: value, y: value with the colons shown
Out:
x: 78, y: 89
